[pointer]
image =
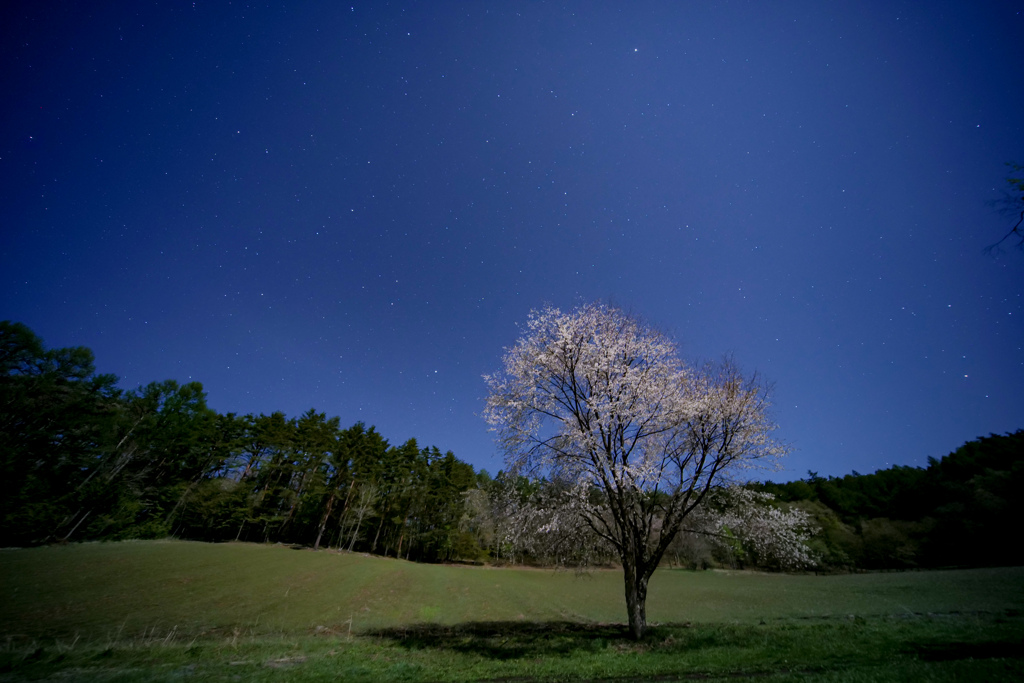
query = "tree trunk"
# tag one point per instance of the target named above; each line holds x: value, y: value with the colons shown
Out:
x: 373, y: 546
x: 65, y: 539
x: 343, y: 516
x: 323, y: 522
x: 296, y: 504
x: 365, y: 497
x: 355, y: 534
x: 636, y: 598
x: 182, y: 499
x: 401, y: 536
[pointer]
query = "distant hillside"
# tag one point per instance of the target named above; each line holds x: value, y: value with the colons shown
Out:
x: 965, y: 509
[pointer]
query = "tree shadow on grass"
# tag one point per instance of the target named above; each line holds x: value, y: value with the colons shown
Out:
x: 518, y: 639
x: 507, y: 639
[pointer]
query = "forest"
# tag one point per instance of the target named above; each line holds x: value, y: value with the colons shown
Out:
x: 962, y: 510
x: 81, y: 459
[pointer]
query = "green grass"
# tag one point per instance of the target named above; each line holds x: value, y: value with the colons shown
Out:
x: 167, y: 610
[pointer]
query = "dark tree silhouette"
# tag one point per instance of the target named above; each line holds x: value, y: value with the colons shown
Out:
x: 1012, y: 204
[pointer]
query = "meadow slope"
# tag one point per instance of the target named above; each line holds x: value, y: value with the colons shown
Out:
x: 153, y: 611
x: 91, y: 589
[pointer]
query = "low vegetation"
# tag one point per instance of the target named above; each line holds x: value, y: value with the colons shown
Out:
x: 164, y: 610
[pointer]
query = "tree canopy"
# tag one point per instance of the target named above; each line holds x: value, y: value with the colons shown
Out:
x: 601, y: 402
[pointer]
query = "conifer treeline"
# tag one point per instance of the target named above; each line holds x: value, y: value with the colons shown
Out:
x: 84, y: 460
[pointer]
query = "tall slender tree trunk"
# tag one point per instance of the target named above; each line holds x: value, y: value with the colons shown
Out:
x: 366, y: 497
x: 296, y: 504
x: 343, y: 515
x: 383, y: 518
x: 355, y: 534
x: 259, y: 501
x: 181, y: 500
x: 323, y: 522
x: 77, y: 524
x: 401, y: 536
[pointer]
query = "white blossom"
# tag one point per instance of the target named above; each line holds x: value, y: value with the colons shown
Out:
x: 773, y: 536
x: 600, y: 402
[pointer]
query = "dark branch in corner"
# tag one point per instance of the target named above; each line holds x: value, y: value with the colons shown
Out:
x: 1013, y: 231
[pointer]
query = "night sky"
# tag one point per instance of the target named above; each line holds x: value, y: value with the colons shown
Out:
x: 349, y: 207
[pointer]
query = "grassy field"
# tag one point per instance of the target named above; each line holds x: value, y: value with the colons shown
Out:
x: 170, y: 610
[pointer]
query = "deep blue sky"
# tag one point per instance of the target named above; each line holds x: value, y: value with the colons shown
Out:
x: 350, y: 207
